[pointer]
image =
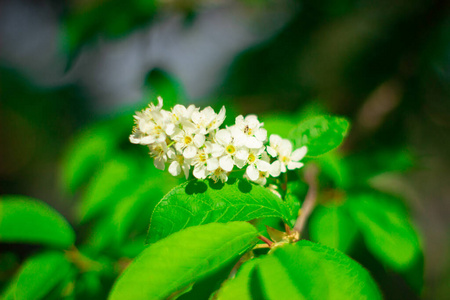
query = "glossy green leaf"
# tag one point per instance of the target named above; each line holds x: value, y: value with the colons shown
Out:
x: 276, y: 281
x: 26, y: 220
x: 38, y: 276
x: 386, y: 228
x: 107, y: 186
x: 201, y: 202
x: 320, y: 134
x: 175, y: 262
x: 333, y: 227
x: 239, y: 286
x: 312, y: 271
x: 92, y: 147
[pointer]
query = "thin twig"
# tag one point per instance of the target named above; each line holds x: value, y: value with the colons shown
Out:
x: 265, y: 240
x: 310, y: 200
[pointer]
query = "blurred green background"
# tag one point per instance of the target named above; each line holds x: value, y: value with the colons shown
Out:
x: 69, y: 70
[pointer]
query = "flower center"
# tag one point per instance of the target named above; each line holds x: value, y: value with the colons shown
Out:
x: 248, y: 130
x: 202, y: 157
x: 187, y: 140
x: 230, y: 149
x: 285, y: 159
x: 251, y: 158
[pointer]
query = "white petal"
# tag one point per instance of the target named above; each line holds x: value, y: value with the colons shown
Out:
x: 186, y: 169
x: 285, y: 147
x: 226, y: 163
x: 190, y: 152
x: 253, y: 143
x: 262, y: 165
x: 212, y: 164
x: 175, y: 168
x: 283, y: 167
x: 217, y: 150
x: 160, y: 102
x: 299, y: 154
x: 223, y: 136
x: 159, y: 163
x: 252, y: 173
x: 275, y: 169
x: 272, y: 151
x: 261, y: 134
x: 199, y: 172
x: 240, y: 163
x: 294, y: 165
x: 199, y: 140
x: 170, y: 129
x: 274, y: 139
x: 242, y: 154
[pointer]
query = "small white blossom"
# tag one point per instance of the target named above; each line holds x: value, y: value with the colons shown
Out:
x: 159, y: 153
x: 289, y: 159
x: 178, y: 164
x: 248, y: 131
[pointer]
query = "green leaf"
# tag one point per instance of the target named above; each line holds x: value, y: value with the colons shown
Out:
x: 333, y: 227
x: 320, y: 134
x: 183, y: 258
x: 92, y: 147
x: 386, y: 229
x: 276, y: 281
x: 159, y: 83
x: 38, y: 276
x: 107, y: 186
x: 200, y: 202
x: 314, y: 271
x: 26, y: 220
x: 239, y: 286
x: 280, y: 124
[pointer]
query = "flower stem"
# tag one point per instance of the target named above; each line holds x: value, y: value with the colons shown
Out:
x: 265, y: 240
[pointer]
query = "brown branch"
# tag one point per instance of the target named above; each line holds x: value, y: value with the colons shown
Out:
x: 265, y: 240
x: 310, y: 200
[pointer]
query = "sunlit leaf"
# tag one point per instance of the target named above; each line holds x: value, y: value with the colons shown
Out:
x: 386, y: 228
x: 107, y: 186
x: 182, y: 258
x: 25, y: 220
x: 333, y: 227
x: 312, y: 271
x: 239, y: 286
x: 275, y: 280
x: 201, y: 202
x: 38, y: 276
x: 320, y: 134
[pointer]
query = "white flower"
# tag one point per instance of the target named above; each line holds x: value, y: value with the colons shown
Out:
x: 188, y: 142
x: 207, y: 120
x: 289, y: 159
x: 219, y: 174
x: 159, y: 153
x: 178, y: 164
x: 179, y: 115
x: 150, y: 125
x: 203, y: 162
x: 257, y: 161
x: 274, y: 146
x: 248, y: 131
x: 228, y: 149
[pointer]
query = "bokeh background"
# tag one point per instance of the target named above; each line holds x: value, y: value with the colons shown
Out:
x: 385, y: 65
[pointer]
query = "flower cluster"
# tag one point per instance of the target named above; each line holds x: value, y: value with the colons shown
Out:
x: 187, y: 137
